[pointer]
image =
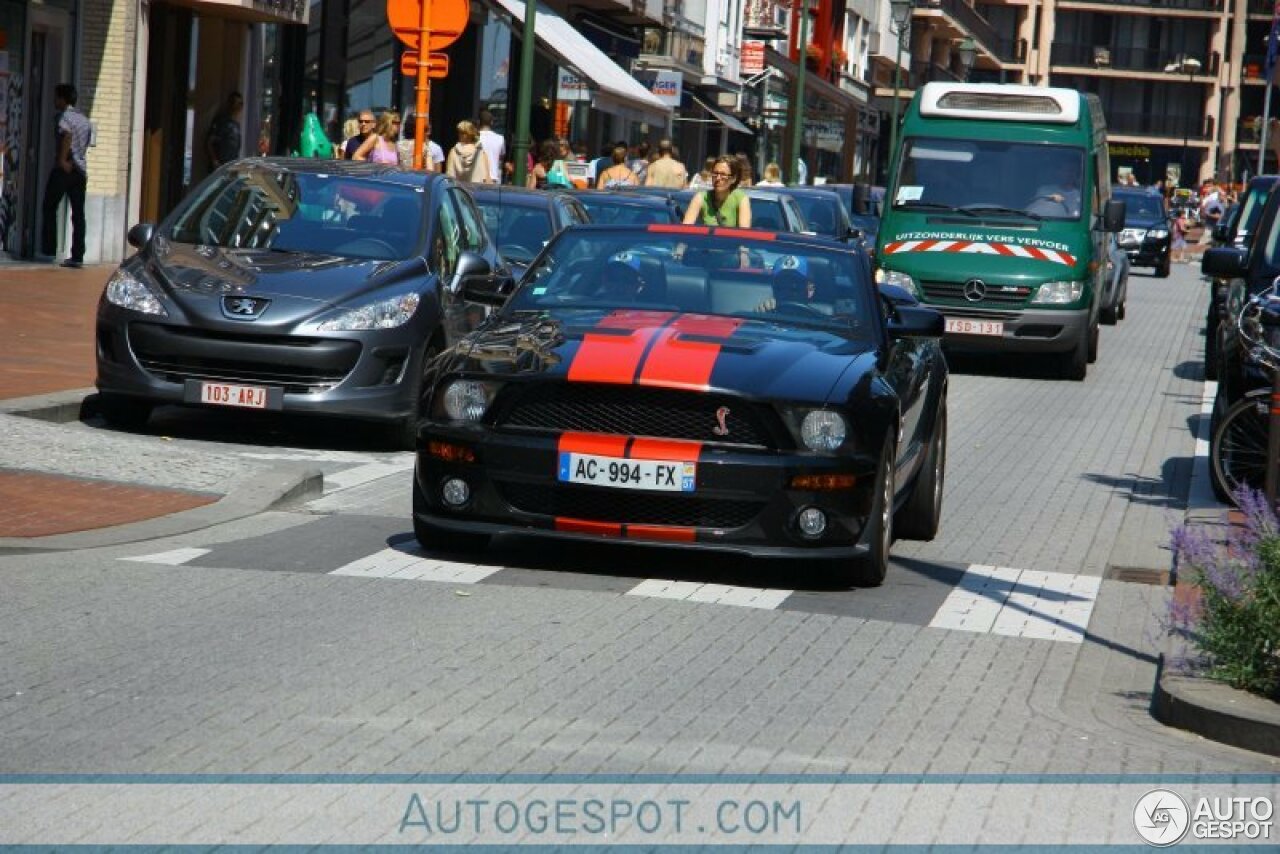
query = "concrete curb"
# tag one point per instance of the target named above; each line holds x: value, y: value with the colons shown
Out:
x: 264, y: 492
x: 268, y: 490
x: 59, y: 407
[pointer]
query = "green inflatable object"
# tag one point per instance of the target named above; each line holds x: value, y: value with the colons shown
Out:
x: 313, y: 142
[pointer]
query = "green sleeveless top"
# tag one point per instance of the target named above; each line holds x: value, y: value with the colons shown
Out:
x: 728, y: 213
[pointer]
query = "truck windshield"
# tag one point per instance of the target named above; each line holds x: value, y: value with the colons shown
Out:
x: 991, y: 177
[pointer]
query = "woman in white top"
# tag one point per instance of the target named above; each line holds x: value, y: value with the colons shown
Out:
x: 772, y: 176
x: 468, y: 162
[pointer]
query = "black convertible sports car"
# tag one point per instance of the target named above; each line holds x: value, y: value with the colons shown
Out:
x: 716, y: 388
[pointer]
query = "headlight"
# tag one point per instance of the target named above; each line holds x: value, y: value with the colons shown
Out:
x: 467, y: 400
x: 384, y: 314
x: 902, y: 280
x: 1158, y: 233
x: 823, y: 430
x: 1059, y: 293
x: 126, y: 291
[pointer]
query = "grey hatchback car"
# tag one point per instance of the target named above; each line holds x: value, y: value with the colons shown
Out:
x: 307, y: 286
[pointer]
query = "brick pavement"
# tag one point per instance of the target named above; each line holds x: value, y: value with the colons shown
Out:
x: 38, y: 505
x: 47, y: 325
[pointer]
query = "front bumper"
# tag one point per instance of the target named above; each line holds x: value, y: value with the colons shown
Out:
x: 1148, y: 253
x: 1025, y: 331
x: 370, y: 375
x: 741, y: 503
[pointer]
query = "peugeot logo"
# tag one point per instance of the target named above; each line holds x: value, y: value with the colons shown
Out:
x: 975, y: 290
x: 243, y: 308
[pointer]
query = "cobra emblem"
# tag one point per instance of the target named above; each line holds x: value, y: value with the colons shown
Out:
x: 721, y: 428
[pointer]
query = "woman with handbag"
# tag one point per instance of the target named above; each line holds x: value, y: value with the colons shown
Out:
x: 725, y: 204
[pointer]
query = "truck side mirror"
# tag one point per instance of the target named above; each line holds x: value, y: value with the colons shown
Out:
x: 1113, y: 215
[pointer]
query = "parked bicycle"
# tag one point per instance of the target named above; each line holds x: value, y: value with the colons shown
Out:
x: 1244, y: 449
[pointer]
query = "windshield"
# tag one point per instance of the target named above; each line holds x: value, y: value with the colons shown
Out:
x: 1251, y: 210
x: 1014, y: 177
x: 291, y: 212
x: 1141, y: 206
x: 610, y: 212
x: 702, y: 274
x: 519, y: 230
x: 826, y: 216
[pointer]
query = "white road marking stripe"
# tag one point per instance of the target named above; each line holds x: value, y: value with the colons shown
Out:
x: 177, y: 557
x: 1201, y: 495
x: 716, y: 594
x: 391, y: 563
x: 357, y: 475
x: 1020, y: 603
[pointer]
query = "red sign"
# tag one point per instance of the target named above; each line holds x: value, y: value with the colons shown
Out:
x: 437, y: 64
x: 752, y: 61
x: 448, y: 20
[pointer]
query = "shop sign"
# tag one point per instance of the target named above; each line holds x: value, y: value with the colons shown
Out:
x: 666, y: 86
x: 1129, y: 150
x: 571, y: 87
x: 752, y: 58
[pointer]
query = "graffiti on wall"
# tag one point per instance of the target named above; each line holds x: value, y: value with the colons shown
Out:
x: 10, y: 156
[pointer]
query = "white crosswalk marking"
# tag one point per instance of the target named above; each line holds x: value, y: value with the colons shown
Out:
x: 391, y: 563
x: 1020, y: 603
x: 177, y: 557
x: 718, y: 594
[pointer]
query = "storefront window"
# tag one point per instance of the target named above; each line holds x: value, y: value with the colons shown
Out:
x: 495, y: 71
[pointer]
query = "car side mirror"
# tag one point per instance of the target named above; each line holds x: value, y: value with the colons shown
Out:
x: 473, y: 278
x: 1113, y: 216
x: 897, y: 296
x: 913, y: 321
x: 855, y: 233
x: 1224, y: 262
x: 140, y: 235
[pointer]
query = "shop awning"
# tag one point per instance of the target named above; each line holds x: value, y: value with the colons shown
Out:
x: 613, y: 90
x: 814, y: 85
x: 721, y: 116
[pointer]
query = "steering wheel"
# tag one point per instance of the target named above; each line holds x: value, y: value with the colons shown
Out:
x: 517, y: 251
x: 788, y: 307
x: 359, y: 246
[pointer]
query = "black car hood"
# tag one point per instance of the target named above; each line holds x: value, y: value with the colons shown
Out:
x: 761, y: 358
x: 1143, y: 222
x: 296, y: 283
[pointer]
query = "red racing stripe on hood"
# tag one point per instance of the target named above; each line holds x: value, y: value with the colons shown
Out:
x: 614, y: 356
x: 677, y: 362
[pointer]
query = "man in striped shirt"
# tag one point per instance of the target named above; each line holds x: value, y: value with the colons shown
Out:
x: 69, y: 176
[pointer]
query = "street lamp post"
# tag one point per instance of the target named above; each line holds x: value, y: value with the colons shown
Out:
x: 901, y: 11
x: 968, y: 50
x: 1189, y: 67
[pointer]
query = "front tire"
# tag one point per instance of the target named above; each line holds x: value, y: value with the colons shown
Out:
x: 431, y: 538
x: 404, y: 433
x: 1162, y: 271
x: 920, y: 516
x: 1075, y: 363
x: 871, y: 569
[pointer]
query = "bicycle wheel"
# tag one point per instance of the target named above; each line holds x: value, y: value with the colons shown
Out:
x: 1238, y: 450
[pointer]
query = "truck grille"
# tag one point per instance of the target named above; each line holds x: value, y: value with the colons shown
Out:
x: 954, y: 292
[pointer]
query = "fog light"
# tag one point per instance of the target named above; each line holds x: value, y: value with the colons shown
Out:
x: 812, y: 522
x: 455, y: 492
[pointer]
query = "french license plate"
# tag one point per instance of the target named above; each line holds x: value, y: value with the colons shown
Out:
x: 661, y: 476
x: 224, y: 394
x: 967, y: 326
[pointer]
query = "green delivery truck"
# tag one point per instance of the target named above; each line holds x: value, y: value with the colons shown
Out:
x: 997, y: 214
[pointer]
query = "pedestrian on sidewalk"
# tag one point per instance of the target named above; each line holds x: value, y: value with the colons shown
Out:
x: 618, y: 174
x: 493, y: 144
x: 69, y: 177
x: 1178, y: 247
x: 468, y: 162
x: 666, y: 171
x: 380, y: 147
x: 223, y: 140
x: 365, y: 125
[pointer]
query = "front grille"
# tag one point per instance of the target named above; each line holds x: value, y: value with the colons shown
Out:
x: 635, y: 411
x: 298, y: 365
x: 617, y: 505
x: 954, y: 292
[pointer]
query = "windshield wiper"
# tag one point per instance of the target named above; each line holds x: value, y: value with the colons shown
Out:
x: 933, y: 206
x: 1000, y: 209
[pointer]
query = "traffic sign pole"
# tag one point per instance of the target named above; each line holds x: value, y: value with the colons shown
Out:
x: 424, y: 84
